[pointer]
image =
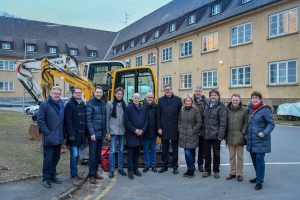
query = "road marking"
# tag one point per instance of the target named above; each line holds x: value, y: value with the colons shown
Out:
x: 94, y: 190
x: 268, y: 163
x: 107, y: 189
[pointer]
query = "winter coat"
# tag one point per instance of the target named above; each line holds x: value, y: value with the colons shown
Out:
x: 96, y: 118
x: 135, y: 118
x: 189, y: 123
x: 260, y: 121
x: 237, y: 122
x: 168, y: 113
x: 151, y: 130
x: 215, y: 121
x: 115, y: 126
x: 75, y: 122
x: 51, y: 122
x: 201, y: 106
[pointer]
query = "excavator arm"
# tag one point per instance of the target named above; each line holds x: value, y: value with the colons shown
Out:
x: 61, y: 67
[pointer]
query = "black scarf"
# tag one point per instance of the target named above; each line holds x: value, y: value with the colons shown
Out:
x: 115, y: 102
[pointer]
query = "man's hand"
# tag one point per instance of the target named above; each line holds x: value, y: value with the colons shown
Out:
x: 160, y: 131
x: 93, y: 138
x: 107, y: 136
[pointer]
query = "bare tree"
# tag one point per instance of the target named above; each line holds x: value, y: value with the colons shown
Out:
x: 6, y: 14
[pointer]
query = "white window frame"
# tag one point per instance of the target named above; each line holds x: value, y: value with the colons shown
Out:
x: 30, y: 47
x: 167, y: 79
x: 167, y: 54
x: 132, y: 44
x: 243, y: 68
x: 186, y: 45
x: 156, y: 34
x: 151, y: 58
x: 185, y: 77
x: 92, y: 53
x: 286, y: 24
x: 172, y: 27
x: 143, y: 39
x: 72, y: 52
x: 216, y: 9
x: 286, y: 72
x: 7, y: 88
x: 192, y: 19
x: 50, y: 50
x: 6, y: 45
x: 114, y: 51
x: 205, y: 85
x: 123, y: 47
x: 127, y: 62
x: 206, y: 40
x: 244, y: 34
x: 138, y: 60
x: 245, y: 1
x: 8, y: 65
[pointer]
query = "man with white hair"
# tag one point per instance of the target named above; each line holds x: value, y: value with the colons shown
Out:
x: 51, y: 123
x: 136, y: 122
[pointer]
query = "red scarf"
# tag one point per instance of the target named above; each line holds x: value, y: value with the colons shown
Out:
x: 255, y: 107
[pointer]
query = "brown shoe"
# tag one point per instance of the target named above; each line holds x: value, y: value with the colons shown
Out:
x: 239, y: 178
x: 98, y: 176
x: 93, y: 180
x: 230, y: 177
x: 206, y: 174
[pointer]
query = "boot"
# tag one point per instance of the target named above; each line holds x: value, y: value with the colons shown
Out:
x: 130, y: 175
x: 137, y: 173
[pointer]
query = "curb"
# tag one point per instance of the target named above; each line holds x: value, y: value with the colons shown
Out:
x: 286, y: 124
x: 21, y: 179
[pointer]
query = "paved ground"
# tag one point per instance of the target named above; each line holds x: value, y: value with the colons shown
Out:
x: 16, y: 109
x: 282, y: 178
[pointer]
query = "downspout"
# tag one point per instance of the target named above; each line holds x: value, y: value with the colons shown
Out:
x: 157, y: 69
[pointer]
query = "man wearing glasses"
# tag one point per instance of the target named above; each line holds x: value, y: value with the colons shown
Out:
x: 51, y: 123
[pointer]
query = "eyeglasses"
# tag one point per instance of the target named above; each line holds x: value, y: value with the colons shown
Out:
x: 149, y: 97
x: 57, y: 94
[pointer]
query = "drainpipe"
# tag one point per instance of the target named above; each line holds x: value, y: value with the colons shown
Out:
x: 157, y: 69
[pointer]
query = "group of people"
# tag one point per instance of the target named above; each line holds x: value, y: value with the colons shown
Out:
x: 192, y: 123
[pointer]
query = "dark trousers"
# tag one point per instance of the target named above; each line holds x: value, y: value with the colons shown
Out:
x: 258, y: 160
x: 201, y: 150
x: 165, y: 153
x: 133, y: 158
x: 51, y: 157
x: 215, y: 145
x: 94, y: 155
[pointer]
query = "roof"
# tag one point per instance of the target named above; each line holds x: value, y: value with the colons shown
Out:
x: 178, y: 11
x: 44, y: 35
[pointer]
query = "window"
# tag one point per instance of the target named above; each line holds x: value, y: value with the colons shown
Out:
x: 52, y: 50
x: 210, y: 79
x: 156, y: 34
x: 283, y: 23
x: 167, y: 54
x: 166, y: 80
x: 185, y: 49
x: 241, y: 76
x: 30, y: 48
x: 172, y: 27
x: 139, y: 60
x: 7, y: 65
x: 6, y: 45
x: 131, y: 44
x: 92, y: 53
x: 215, y: 9
x: 6, y: 86
x: 241, y: 34
x: 283, y: 72
x: 128, y: 62
x: 73, y: 52
x: 123, y: 48
x: 143, y: 39
x: 191, y: 19
x: 186, y: 81
x: 151, y: 58
x: 210, y: 42
x: 114, y: 51
x: 245, y: 1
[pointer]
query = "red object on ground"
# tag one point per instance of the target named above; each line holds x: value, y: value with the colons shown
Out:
x: 105, y: 158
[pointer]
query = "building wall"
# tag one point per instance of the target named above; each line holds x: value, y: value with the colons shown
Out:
x: 258, y: 54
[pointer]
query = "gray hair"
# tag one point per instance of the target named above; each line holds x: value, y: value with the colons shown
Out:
x: 198, y: 87
x: 168, y: 85
x: 236, y: 95
x: 149, y: 93
x: 56, y: 88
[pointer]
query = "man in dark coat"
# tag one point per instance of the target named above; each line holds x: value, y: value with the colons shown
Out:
x: 96, y: 124
x: 51, y: 124
x: 200, y: 103
x: 168, y: 112
x: 136, y: 122
x: 151, y: 134
x: 215, y: 128
x: 75, y: 121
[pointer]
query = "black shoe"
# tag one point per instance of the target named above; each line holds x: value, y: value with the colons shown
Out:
x: 130, y: 175
x: 258, y: 186
x: 175, y: 171
x: 55, y: 180
x: 137, y: 173
x: 162, y: 170
x: 186, y: 173
x: 46, y: 184
x: 190, y: 173
x: 200, y: 168
x: 111, y: 174
x: 122, y: 172
x: 154, y: 169
x: 145, y: 169
x: 253, y: 180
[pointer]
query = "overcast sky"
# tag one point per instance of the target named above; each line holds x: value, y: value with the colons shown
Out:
x: 97, y: 14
